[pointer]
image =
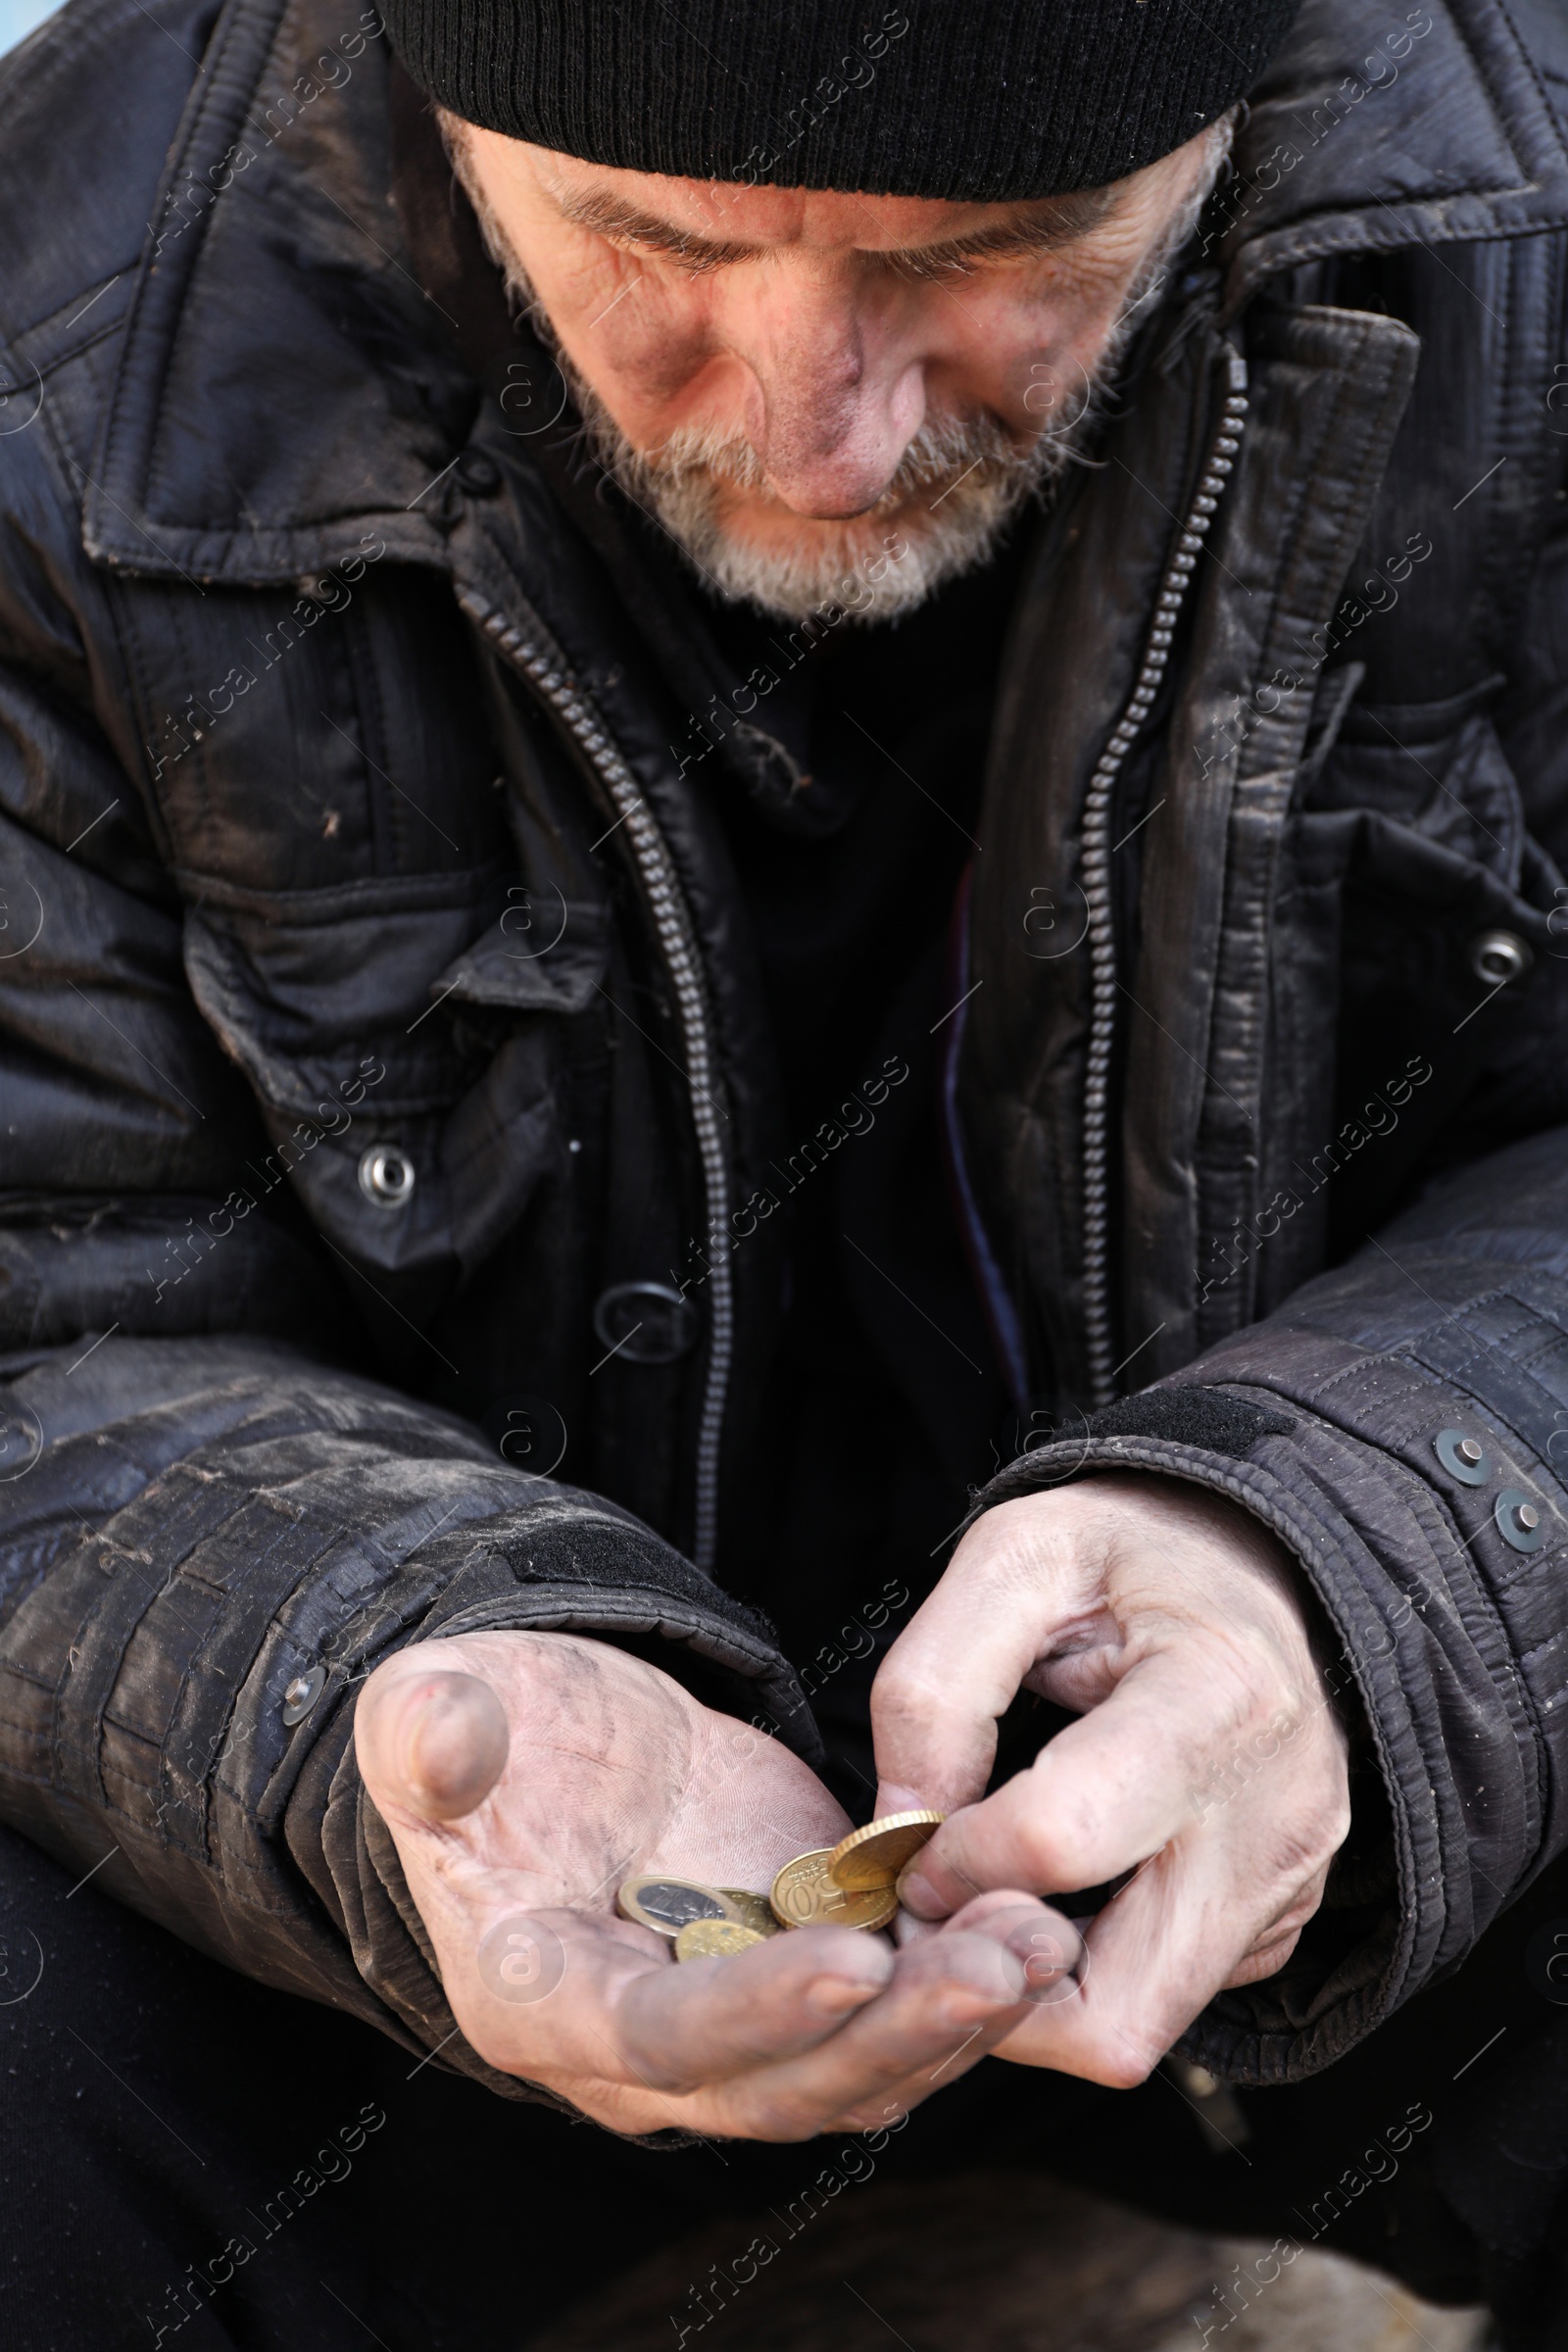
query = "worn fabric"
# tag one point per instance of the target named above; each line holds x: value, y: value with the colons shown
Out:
x: 382, y: 1019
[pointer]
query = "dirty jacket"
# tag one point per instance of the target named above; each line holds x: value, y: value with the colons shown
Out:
x: 385, y: 1078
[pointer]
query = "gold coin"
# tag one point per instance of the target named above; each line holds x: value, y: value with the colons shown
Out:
x: 805, y: 1896
x: 875, y: 1855
x: 654, y: 1899
x: 715, y: 1939
x: 750, y: 1909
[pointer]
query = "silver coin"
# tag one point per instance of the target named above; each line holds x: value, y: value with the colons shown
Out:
x: 666, y: 1905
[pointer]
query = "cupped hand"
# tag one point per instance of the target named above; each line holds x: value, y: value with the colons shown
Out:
x: 524, y: 1776
x: 1209, y: 1761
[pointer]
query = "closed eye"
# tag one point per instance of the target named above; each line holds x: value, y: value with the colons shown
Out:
x: 1043, y: 228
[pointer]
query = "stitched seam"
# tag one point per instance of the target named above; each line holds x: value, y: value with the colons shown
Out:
x: 1285, y: 249
x: 107, y: 324
x: 388, y: 839
x: 1446, y: 1536
x: 1527, y: 59
x: 224, y: 38
x: 121, y: 603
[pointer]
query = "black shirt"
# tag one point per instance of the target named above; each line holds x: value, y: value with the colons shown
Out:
x: 886, y: 1396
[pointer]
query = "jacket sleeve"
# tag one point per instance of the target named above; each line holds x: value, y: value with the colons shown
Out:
x: 1442, y: 1581
x: 196, y: 1512
x: 205, y: 1546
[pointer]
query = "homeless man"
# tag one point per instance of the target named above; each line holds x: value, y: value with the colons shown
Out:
x: 784, y: 1003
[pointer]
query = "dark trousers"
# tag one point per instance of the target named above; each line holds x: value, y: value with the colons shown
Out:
x: 189, y: 2159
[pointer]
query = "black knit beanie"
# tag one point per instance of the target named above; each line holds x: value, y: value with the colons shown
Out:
x: 984, y: 100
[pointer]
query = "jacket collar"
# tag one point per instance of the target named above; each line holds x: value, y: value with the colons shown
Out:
x: 1429, y: 127
x: 286, y: 387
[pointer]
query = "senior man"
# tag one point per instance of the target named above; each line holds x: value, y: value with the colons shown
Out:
x: 778, y: 785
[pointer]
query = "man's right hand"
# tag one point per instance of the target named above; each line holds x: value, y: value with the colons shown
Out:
x: 524, y: 1776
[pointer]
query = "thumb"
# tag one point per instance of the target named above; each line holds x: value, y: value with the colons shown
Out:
x: 430, y: 1741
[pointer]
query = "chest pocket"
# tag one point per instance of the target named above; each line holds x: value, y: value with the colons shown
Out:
x: 356, y: 931
x: 405, y: 1069
x: 1446, y: 913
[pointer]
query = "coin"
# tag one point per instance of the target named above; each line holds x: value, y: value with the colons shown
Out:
x: 791, y: 1896
x: 805, y: 1896
x: 666, y: 1905
x: 752, y: 1910
x: 875, y: 1855
x: 715, y: 1939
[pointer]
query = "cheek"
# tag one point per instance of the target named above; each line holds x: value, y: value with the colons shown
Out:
x: 1035, y: 361
x: 1028, y: 361
x: 642, y: 345
x: 653, y: 349
x: 1094, y: 309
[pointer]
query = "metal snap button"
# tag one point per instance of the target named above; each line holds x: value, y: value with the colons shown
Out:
x: 1463, y: 1457
x: 1521, y: 1521
x: 1498, y: 957
x: 302, y: 1694
x: 478, y: 472
x: 386, y: 1175
x: 645, y: 1322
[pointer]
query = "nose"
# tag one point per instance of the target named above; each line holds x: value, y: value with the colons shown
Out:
x: 833, y: 407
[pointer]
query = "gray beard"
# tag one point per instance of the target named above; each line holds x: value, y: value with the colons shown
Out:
x: 956, y: 488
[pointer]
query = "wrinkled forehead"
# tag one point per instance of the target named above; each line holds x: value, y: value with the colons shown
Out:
x: 710, y: 223
x: 956, y: 101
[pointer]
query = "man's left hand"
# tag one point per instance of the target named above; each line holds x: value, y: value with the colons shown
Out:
x: 1208, y: 1759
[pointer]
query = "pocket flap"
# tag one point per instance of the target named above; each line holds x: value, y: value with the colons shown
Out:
x: 547, y: 955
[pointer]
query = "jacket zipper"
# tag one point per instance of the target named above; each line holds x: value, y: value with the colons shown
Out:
x: 1096, y: 853
x: 678, y: 943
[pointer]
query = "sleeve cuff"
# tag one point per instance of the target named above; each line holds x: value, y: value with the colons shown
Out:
x: 1408, y: 1612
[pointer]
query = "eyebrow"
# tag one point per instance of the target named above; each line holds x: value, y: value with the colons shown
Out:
x: 1067, y: 219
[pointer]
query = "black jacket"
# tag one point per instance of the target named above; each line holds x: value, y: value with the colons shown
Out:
x: 375, y: 997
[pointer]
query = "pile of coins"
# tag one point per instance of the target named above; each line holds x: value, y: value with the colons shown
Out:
x: 851, y: 1885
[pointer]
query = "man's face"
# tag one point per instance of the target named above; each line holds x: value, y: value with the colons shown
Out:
x: 792, y: 379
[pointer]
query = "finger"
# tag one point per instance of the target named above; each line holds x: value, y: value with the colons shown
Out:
x: 547, y: 1996
x: 1050, y: 1947
x: 609, y: 2000
x: 1103, y: 1795
x: 598, y: 2008
x: 707, y: 2020
x: 1051, y: 1952
x: 958, y: 1666
x: 1271, y: 1949
x: 952, y: 1999
x: 1265, y: 1960
x: 1154, y: 1957
x: 430, y: 1741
